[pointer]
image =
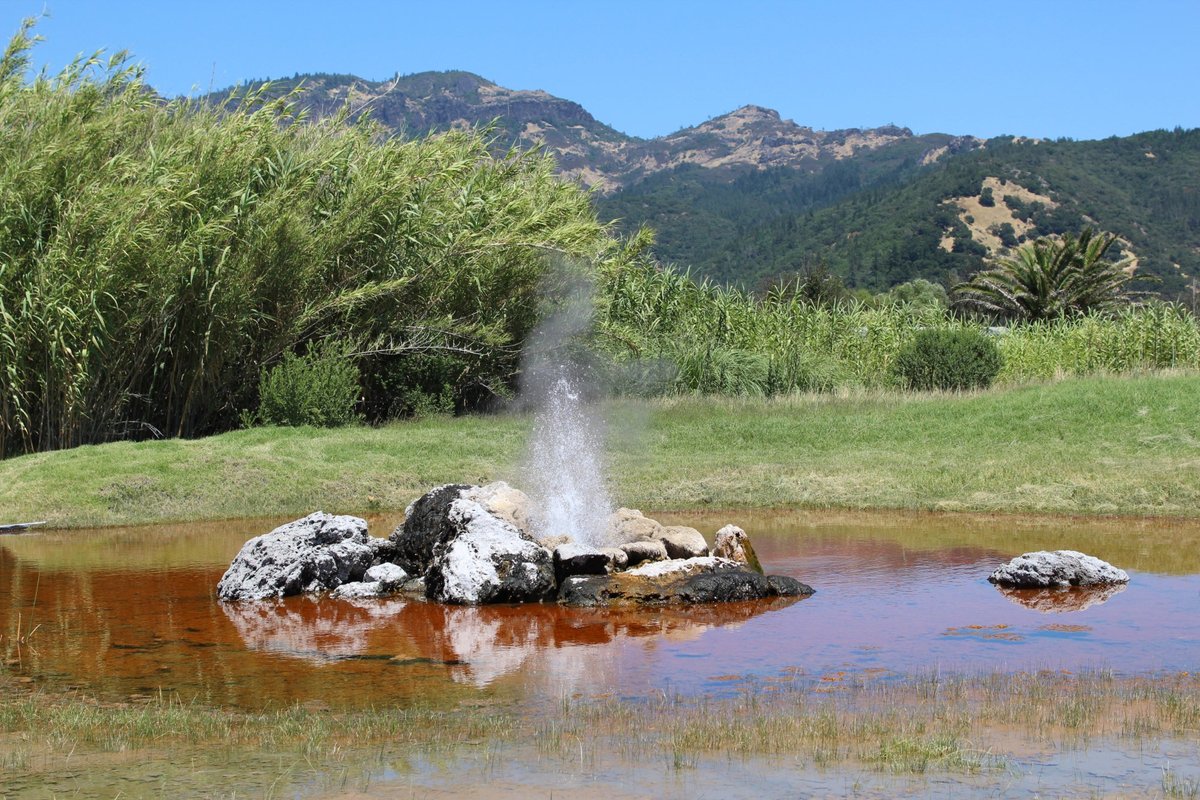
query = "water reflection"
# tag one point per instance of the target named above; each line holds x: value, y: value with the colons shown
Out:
x: 1062, y: 600
x: 477, y: 645
x: 310, y: 628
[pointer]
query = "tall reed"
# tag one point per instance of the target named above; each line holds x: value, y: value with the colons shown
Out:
x: 713, y: 339
x: 155, y: 256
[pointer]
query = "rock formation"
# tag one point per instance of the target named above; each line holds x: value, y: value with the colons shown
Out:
x: 472, y: 545
x: 315, y: 554
x: 1046, y: 568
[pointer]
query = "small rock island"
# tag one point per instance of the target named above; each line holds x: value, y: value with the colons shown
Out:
x: 471, y: 545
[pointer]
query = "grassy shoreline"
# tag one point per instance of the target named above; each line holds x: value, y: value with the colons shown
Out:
x: 1112, y: 446
x: 926, y: 724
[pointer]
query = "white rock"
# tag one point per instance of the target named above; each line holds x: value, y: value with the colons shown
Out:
x: 503, y: 501
x: 487, y: 560
x: 389, y: 575
x: 317, y: 553
x: 1057, y: 568
x: 359, y: 589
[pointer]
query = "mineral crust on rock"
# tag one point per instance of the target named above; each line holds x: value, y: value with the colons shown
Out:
x: 472, y: 545
x: 484, y: 559
x: 733, y: 543
x: 317, y: 553
x: 1046, y: 568
x: 678, y: 582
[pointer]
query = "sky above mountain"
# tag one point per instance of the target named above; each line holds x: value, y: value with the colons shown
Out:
x: 1044, y: 68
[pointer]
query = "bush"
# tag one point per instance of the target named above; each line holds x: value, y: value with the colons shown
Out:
x: 948, y: 359
x: 319, y: 388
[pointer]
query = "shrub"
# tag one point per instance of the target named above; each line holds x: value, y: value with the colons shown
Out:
x: 319, y: 388
x: 948, y: 359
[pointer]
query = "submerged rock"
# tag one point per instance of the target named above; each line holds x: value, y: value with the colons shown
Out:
x: 733, y: 543
x: 1046, y: 568
x: 485, y: 559
x: 678, y: 582
x: 317, y: 553
x: 360, y: 589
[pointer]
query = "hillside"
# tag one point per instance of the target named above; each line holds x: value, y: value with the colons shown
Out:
x: 934, y: 221
x: 748, y: 196
x: 749, y: 138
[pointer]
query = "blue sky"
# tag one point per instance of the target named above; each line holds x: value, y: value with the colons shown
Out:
x: 1049, y: 68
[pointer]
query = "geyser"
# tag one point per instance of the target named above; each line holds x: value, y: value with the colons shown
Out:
x: 565, y: 468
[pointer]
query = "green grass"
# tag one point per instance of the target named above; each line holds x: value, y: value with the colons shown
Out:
x: 1127, y: 445
x: 925, y: 724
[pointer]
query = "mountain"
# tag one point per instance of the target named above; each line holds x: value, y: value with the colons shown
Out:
x: 587, y: 150
x: 748, y: 196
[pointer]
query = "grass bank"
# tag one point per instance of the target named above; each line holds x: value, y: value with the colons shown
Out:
x: 1128, y: 445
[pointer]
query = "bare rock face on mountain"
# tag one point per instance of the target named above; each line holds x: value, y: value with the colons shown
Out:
x: 584, y: 149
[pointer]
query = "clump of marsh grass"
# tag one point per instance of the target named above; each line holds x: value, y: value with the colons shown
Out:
x: 916, y: 726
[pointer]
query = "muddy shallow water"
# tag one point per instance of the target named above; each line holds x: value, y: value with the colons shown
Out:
x: 129, y: 612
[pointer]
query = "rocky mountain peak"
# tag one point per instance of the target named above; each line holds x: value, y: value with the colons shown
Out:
x: 751, y: 137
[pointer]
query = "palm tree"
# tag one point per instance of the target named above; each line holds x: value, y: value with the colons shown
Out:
x: 1051, y: 278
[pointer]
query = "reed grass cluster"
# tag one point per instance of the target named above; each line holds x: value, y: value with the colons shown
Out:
x: 698, y: 337
x: 155, y: 256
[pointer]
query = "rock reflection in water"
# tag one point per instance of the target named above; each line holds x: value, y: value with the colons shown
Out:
x: 308, y: 628
x: 1061, y: 600
x: 477, y: 644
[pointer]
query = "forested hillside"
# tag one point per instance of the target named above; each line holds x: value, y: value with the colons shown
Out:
x: 884, y: 218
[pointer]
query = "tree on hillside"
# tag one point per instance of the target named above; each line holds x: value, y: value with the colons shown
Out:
x: 1049, y: 278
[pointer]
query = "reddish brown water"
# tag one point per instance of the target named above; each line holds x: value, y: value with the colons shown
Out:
x: 129, y: 612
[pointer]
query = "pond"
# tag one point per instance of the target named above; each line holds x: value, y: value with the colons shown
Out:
x: 125, y: 613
